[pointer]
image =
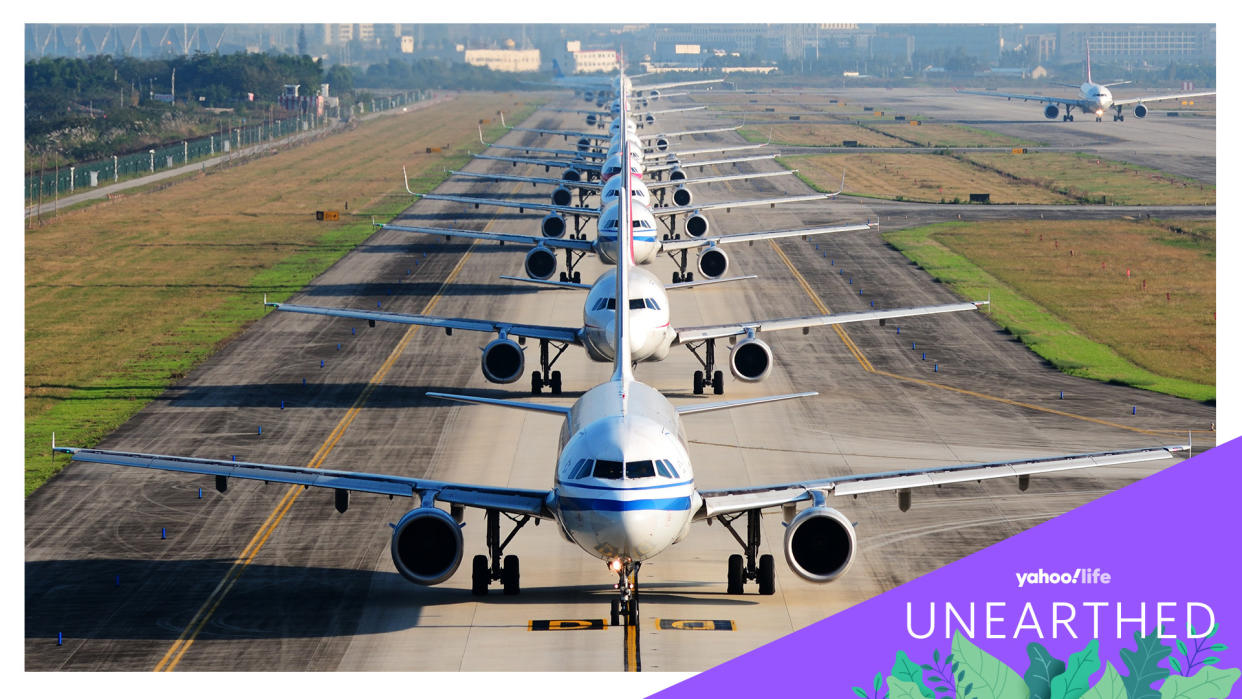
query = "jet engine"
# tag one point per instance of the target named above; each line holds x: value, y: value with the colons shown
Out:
x: 696, y: 225
x: 584, y: 143
x: 1051, y: 111
x: 713, y: 263
x: 650, y: 119
x: 653, y: 94
x: 751, y: 360
x: 682, y: 196
x: 426, y: 546
x: 540, y: 263
x: 1140, y: 111
x: 676, y: 174
x: 552, y: 226
x: 572, y: 175
x: 561, y: 196
x: 503, y: 361
x: 661, y: 143
x: 820, y: 544
x: 590, y: 120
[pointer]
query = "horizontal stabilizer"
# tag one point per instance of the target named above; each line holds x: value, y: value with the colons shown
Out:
x: 729, y: 404
x: 520, y: 405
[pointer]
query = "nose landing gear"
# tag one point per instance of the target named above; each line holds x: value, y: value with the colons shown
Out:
x: 624, y: 609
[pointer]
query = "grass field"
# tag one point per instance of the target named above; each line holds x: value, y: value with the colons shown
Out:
x: 916, y: 177
x: 123, y: 298
x: 795, y: 134
x: 1031, y: 178
x: 1099, y: 180
x: 1082, y: 311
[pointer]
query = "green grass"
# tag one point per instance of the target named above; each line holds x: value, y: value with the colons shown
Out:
x: 1061, y: 343
x: 85, y: 399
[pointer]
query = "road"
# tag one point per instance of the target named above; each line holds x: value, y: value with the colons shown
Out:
x: 271, y: 578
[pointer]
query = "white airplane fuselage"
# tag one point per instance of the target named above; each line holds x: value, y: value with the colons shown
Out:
x: 651, y: 336
x: 1094, y: 98
x: 646, y: 243
x: 623, y: 517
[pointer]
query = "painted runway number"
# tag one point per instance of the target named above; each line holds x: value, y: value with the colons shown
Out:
x: 567, y: 624
x: 697, y: 625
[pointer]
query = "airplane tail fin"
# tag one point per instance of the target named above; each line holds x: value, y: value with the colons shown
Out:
x: 556, y: 69
x: 623, y: 371
x: 1088, y: 60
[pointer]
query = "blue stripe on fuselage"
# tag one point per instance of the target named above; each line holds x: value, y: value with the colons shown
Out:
x: 607, y: 505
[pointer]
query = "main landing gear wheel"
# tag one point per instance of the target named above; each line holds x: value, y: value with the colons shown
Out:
x: 734, y: 580
x: 743, y: 568
x: 480, y: 576
x: 556, y: 383
x: 509, y: 575
x: 578, y: 275
x: 536, y: 383
x: 698, y: 383
x: 767, y: 574
x: 485, y: 569
x: 710, y: 375
x: 676, y: 277
x: 718, y: 382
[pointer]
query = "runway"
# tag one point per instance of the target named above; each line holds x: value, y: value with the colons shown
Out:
x: 269, y: 578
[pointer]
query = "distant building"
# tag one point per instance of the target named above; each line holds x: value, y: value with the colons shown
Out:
x: 594, y: 61
x: 506, y: 60
x: 407, y: 44
x: 1137, y: 42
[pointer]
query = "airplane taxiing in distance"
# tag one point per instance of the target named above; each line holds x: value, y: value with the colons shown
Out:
x: 1093, y: 98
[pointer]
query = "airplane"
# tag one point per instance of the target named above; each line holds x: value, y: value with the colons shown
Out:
x: 623, y: 489
x: 1093, y: 98
x: 653, y: 156
x: 584, y: 139
x: 652, y: 335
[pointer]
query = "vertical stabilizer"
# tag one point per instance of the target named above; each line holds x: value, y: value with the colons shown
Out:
x: 1088, y: 60
x: 623, y: 372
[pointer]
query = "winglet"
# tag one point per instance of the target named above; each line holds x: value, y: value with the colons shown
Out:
x: 406, y: 177
x: 481, y: 136
x: 502, y: 120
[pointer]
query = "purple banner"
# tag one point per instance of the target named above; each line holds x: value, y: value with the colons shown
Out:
x: 1071, y: 608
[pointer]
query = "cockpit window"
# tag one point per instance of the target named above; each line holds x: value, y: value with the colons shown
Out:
x: 582, y: 469
x: 662, y: 469
x: 641, y: 223
x: 651, y: 303
x: 637, y: 304
x: 669, y: 465
x: 639, y: 469
x: 608, y: 469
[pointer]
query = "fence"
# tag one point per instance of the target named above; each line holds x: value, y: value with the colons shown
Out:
x: 67, y: 180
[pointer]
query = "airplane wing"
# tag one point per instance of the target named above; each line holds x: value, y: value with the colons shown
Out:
x: 538, y: 332
x: 717, y: 178
x: 707, y: 241
x: 717, y: 149
x: 512, y: 500
x: 1025, y: 98
x: 561, y: 243
x: 678, y: 285
x: 554, y: 181
x: 519, y: 205
x: 705, y: 332
x: 729, y: 501
x: 737, y: 204
x: 662, y: 86
x: 705, y: 163
x: 547, y: 164
x: 1136, y: 100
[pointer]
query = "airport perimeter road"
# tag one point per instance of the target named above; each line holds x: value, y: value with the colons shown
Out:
x: 268, y: 578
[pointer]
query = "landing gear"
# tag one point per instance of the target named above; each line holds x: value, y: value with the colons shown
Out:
x: 743, y: 569
x: 1099, y: 119
x: 680, y: 258
x: 1067, y: 117
x: 485, y: 569
x: 710, y: 375
x: 1119, y: 117
x: 547, y: 377
x: 623, y: 611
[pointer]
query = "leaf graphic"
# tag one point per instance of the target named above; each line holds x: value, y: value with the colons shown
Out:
x: 1144, y: 666
x: 1043, y: 668
x: 1078, y: 671
x: 1176, y: 665
x: 879, y: 679
x: 901, y: 689
x: 1208, y: 683
x: 905, y: 669
x: 860, y: 692
x: 1110, y: 686
x: 989, y: 677
x: 1218, y: 647
x: 1181, y: 646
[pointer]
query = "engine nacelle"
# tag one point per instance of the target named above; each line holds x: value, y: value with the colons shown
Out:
x: 1140, y: 111
x: 751, y: 360
x: 653, y: 94
x: 503, y: 361
x: 553, y: 225
x: 1051, y: 111
x: 584, y: 143
x: 590, y: 120
x: 571, y: 175
x: 697, y: 225
x: 713, y: 263
x: 650, y: 119
x: 682, y: 196
x: 426, y: 546
x: 820, y: 544
x: 676, y: 174
x: 661, y: 143
x: 540, y: 263
x: 561, y: 196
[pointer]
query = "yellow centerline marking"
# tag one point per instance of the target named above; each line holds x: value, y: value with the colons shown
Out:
x: 867, y: 366
x: 205, y: 612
